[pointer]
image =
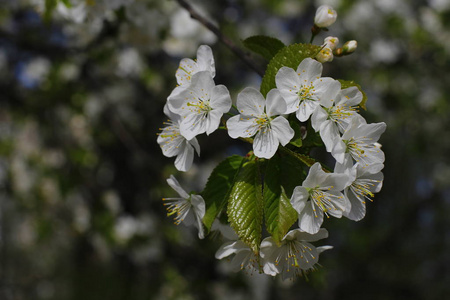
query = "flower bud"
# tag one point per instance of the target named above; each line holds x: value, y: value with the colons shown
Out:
x: 349, y: 47
x: 325, y: 16
x: 331, y: 42
x: 325, y: 55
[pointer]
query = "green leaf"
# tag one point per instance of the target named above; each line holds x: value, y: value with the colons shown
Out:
x: 67, y: 3
x: 265, y: 46
x: 50, y: 5
x: 293, y: 169
x: 290, y: 56
x: 245, y: 207
x: 349, y: 83
x: 278, y: 211
x: 218, y: 188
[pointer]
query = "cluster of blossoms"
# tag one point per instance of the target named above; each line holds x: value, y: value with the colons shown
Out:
x: 197, y: 106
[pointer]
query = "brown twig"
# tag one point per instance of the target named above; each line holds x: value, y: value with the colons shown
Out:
x: 245, y: 57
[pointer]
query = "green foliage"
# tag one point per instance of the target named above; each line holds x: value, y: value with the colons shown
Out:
x: 295, y: 125
x: 278, y: 211
x: 349, y: 83
x: 218, y: 188
x: 293, y: 169
x: 245, y: 207
x: 265, y: 46
x: 290, y: 56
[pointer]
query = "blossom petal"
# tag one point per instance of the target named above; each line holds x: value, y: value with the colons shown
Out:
x: 283, y: 131
x: 329, y: 134
x: 177, y: 187
x: 318, y: 118
x: 185, y: 71
x: 358, y: 208
x: 309, y: 220
x: 309, y: 69
x: 195, y: 144
x: 326, y: 90
x: 288, y: 83
x: 184, y: 160
x: 305, y: 109
x: 226, y: 249
x: 307, y: 237
x: 192, y: 125
x: 265, y: 143
x: 350, y: 97
x: 250, y: 102
x: 198, y: 204
x: 205, y: 60
x: 299, y: 198
x: 239, y: 126
x: 202, y: 85
x: 275, y: 104
x: 220, y: 99
x: 315, y: 176
x: 213, y: 121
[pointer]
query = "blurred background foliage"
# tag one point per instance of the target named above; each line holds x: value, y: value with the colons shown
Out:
x: 83, y: 84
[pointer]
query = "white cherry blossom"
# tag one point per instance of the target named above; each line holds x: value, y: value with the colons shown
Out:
x: 257, y: 117
x: 189, y: 209
x: 295, y: 256
x: 189, y: 67
x: 325, y: 16
x: 359, y: 143
x: 173, y: 143
x: 333, y: 117
x: 305, y: 89
x: 363, y: 183
x: 319, y: 194
x: 244, y: 258
x: 201, y: 105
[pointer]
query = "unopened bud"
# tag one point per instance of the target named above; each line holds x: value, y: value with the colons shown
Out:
x: 331, y: 42
x: 325, y: 55
x: 349, y: 47
x: 325, y: 16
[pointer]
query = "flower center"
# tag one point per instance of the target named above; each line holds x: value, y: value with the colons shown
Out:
x: 306, y: 92
x: 290, y: 255
x: 340, y: 114
x: 361, y: 188
x: 322, y: 200
x: 178, y: 206
x: 201, y: 107
x: 263, y: 121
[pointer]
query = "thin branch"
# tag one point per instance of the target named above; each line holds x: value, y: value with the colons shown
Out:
x: 245, y: 57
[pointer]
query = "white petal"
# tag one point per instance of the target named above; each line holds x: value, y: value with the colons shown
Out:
x: 318, y: 118
x: 184, y: 160
x: 309, y: 220
x: 205, y: 60
x: 226, y: 249
x: 327, y: 90
x: 192, y: 125
x: 338, y: 150
x: 288, y: 83
x: 239, y: 126
x: 350, y: 96
x: 202, y: 85
x: 299, y: 198
x: 195, y: 144
x: 282, y: 130
x: 316, y: 176
x: 307, y: 237
x: 335, y: 181
x: 250, y: 102
x: 187, y: 68
x: 358, y: 208
x: 212, y: 121
x: 265, y: 143
x: 220, y: 99
x: 329, y: 134
x: 309, y: 69
x: 176, y: 186
x: 305, y: 110
x: 198, y: 205
x: 275, y: 104
x: 323, y: 248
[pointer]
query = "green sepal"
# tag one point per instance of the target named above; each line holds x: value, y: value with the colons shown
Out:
x: 245, y: 207
x: 278, y: 212
x: 349, y: 83
x: 265, y: 46
x: 218, y: 188
x: 290, y: 56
